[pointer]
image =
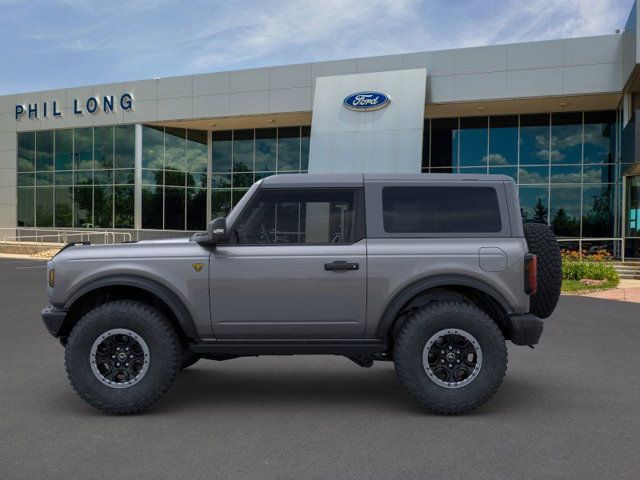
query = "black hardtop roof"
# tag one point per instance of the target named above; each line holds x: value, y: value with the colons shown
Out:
x: 358, y: 179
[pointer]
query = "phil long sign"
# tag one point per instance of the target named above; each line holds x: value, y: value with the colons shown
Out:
x: 91, y: 105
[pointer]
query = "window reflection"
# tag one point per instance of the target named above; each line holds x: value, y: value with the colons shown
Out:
x: 289, y: 149
x: 570, y: 174
x: 565, y: 210
x: 174, y: 178
x: 75, y: 177
x: 265, y: 149
x: 597, y: 211
x: 242, y: 157
x: 599, y: 137
x: 63, y: 159
x: 534, y: 204
x: 503, y: 140
x: 534, y: 139
x: 556, y: 159
x: 472, y: 138
x: 529, y: 175
x: 44, y: 150
x: 26, y: 207
x: 566, y: 138
x: 443, y: 142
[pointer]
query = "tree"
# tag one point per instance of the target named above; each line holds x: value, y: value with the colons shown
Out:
x: 565, y: 225
x: 540, y: 212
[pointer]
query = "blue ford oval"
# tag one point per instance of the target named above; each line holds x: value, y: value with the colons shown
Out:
x: 366, y: 101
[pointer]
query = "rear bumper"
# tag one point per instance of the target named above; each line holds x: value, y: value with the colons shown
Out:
x: 53, y: 319
x: 525, y: 329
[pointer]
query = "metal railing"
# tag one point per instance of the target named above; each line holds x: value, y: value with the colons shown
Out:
x: 63, y: 236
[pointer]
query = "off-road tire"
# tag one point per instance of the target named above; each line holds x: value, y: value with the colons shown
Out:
x: 164, y: 352
x: 543, y: 243
x: 188, y: 359
x: 414, y: 335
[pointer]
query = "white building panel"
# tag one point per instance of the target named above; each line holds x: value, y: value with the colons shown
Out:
x: 343, y: 140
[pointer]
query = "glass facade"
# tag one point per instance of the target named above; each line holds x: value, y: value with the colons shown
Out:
x: 174, y: 178
x: 567, y: 167
x: 566, y: 164
x: 79, y: 178
x: 241, y: 157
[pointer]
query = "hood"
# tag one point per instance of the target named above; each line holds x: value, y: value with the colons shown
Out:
x: 157, y: 248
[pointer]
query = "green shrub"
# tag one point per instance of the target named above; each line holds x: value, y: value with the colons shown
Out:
x: 591, y: 270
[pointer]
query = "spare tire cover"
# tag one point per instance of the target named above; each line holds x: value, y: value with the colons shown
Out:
x: 543, y: 243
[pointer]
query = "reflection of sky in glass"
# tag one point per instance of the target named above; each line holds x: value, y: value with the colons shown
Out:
x: 529, y: 197
x: 534, y: 175
x: 534, y: 145
x: 64, y: 150
x: 473, y: 144
x: 571, y: 174
x: 566, y: 143
x: 152, y: 148
x: 243, y: 151
x: 597, y: 146
x: 503, y: 141
x: 44, y: 150
x: 266, y: 149
x: 175, y: 148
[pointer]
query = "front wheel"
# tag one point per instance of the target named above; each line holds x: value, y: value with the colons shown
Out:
x: 450, y: 356
x: 122, y: 356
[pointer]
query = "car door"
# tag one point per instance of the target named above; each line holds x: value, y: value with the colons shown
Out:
x: 295, y: 267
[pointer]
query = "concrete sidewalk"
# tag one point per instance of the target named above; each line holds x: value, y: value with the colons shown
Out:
x: 627, y: 291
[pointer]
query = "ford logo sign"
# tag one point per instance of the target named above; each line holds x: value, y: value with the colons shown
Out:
x: 366, y: 101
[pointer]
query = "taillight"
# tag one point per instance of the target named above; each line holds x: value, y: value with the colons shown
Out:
x: 530, y: 274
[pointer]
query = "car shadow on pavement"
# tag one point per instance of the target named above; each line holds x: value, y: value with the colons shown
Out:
x: 212, y: 388
x: 208, y: 386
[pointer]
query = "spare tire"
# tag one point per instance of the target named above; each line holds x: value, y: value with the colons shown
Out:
x: 543, y: 243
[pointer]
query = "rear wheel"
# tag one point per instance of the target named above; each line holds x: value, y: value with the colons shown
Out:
x: 450, y: 356
x: 122, y: 356
x: 543, y: 243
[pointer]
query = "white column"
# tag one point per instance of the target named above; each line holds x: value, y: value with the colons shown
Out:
x: 137, y: 209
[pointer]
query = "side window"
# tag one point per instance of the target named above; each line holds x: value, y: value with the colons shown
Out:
x: 286, y: 217
x: 441, y: 209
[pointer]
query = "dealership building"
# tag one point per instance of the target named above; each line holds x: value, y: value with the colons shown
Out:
x: 163, y: 156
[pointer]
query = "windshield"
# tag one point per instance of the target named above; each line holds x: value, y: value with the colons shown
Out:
x: 235, y: 211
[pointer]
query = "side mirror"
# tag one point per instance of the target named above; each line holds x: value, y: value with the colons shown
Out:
x: 216, y: 232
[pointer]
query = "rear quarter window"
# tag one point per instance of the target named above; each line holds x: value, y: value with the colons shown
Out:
x: 441, y: 209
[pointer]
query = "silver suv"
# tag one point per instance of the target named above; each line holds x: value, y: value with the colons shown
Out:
x: 432, y: 272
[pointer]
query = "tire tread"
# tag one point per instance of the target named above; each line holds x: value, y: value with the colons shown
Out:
x: 166, y: 332
x: 402, y: 356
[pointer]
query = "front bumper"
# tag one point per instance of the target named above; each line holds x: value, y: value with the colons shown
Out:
x: 525, y: 329
x: 53, y: 319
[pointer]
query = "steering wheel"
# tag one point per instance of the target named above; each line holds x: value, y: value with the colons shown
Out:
x: 265, y: 233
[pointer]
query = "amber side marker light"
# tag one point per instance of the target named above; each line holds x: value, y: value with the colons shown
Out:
x: 52, y: 277
x: 530, y: 274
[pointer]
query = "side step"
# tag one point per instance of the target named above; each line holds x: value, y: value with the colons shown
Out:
x: 356, y: 348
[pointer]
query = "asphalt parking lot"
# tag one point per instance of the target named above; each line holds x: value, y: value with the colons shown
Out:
x: 568, y: 409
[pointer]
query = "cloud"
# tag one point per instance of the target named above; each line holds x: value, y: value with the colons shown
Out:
x: 122, y: 40
x: 495, y: 159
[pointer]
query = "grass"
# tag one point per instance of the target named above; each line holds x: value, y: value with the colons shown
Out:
x: 574, y: 286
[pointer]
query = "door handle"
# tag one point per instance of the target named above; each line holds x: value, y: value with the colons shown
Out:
x: 341, y: 265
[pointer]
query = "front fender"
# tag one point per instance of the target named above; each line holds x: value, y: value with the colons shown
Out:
x: 181, y: 312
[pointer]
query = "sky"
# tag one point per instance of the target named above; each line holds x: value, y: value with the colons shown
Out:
x: 48, y: 44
